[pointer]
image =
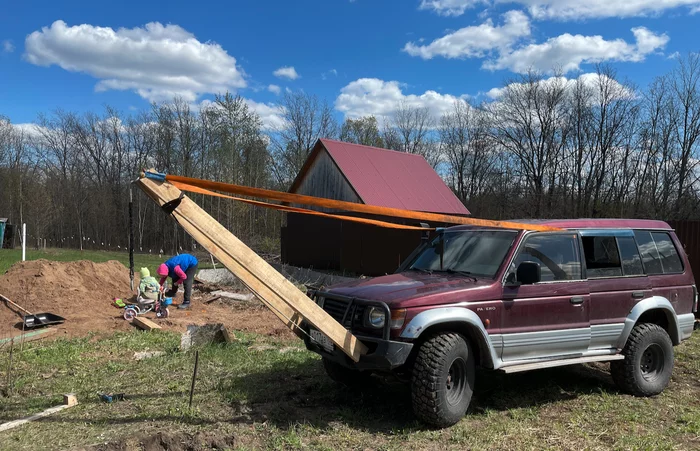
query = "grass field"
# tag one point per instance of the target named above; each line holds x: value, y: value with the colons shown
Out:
x: 10, y: 256
x: 260, y: 392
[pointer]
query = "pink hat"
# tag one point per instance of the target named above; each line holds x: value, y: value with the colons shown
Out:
x: 163, y: 270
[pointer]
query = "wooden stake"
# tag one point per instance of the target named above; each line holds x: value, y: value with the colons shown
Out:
x: 285, y: 300
x: 69, y: 400
x: 145, y: 323
x: 194, y: 375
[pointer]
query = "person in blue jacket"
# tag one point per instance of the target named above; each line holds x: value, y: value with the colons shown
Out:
x: 181, y: 269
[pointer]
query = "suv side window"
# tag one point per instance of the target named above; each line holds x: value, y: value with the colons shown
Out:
x: 670, y: 260
x: 602, y: 256
x: 650, y: 256
x: 631, y: 261
x: 557, y: 255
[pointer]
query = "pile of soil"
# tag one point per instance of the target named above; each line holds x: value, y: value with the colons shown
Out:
x: 83, y: 292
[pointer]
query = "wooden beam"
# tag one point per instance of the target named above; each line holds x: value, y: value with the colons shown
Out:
x: 145, y: 323
x: 289, y: 303
x: 69, y: 400
x: 29, y: 336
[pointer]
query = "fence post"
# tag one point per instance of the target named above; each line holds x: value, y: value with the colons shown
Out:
x: 24, y: 241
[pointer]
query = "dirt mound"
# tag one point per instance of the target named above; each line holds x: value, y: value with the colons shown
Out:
x: 82, y: 292
x: 164, y: 441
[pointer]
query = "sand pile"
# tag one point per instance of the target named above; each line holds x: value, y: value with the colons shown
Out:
x: 82, y: 292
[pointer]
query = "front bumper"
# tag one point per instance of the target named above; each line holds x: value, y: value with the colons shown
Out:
x: 384, y: 355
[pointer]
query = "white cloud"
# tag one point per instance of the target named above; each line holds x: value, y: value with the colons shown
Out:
x: 568, y: 52
x: 274, y: 89
x: 270, y: 114
x: 8, y: 46
x: 156, y: 61
x: 475, y: 41
x: 449, y: 7
x: 674, y: 55
x: 582, y: 9
x: 371, y: 96
x: 30, y: 130
x: 325, y: 75
x: 590, y: 80
x: 286, y: 72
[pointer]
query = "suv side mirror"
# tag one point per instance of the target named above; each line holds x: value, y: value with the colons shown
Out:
x: 528, y: 273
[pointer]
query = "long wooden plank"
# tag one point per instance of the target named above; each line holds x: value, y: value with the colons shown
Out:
x: 29, y: 336
x: 280, y: 295
x: 69, y: 401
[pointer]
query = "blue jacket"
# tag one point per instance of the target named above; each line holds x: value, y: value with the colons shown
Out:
x: 185, y: 261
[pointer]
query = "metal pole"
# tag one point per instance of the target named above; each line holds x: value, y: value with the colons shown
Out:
x: 194, y: 374
x: 24, y: 241
x: 131, y: 238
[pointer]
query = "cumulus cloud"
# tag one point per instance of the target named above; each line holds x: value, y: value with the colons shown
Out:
x: 475, y: 41
x: 156, y: 61
x: 30, y: 130
x: 286, y: 72
x: 589, y: 80
x: 274, y: 89
x: 270, y: 114
x: 372, y: 96
x: 582, y: 9
x: 8, y: 46
x: 449, y: 7
x: 568, y: 52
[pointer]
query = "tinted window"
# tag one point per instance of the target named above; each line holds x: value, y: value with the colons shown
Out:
x: 602, y: 256
x: 631, y: 262
x: 557, y: 255
x: 647, y: 249
x: 670, y: 261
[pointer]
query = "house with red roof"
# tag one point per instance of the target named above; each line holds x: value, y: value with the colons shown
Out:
x: 372, y: 176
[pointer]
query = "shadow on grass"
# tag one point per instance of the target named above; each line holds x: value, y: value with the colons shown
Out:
x: 304, y: 394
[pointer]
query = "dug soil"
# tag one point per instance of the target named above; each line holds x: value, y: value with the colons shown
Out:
x: 83, y: 293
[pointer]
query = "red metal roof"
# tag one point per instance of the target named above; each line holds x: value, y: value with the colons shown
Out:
x: 388, y: 178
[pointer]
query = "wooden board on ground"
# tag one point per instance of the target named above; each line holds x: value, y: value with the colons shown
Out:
x: 289, y: 303
x: 145, y: 323
x: 28, y: 336
x: 69, y: 400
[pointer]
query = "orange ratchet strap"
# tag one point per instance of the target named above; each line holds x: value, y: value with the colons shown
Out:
x: 190, y: 184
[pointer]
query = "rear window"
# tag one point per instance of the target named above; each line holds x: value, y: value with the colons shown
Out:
x: 631, y: 261
x: 658, y: 252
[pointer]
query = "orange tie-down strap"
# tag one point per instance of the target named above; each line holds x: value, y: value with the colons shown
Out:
x: 389, y: 225
x: 188, y: 184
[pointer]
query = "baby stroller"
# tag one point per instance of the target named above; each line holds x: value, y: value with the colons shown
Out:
x: 144, y: 305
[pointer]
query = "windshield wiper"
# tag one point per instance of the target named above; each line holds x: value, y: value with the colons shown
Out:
x: 461, y: 273
x: 427, y: 271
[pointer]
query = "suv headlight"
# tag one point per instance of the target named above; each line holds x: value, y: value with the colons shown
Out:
x: 375, y: 317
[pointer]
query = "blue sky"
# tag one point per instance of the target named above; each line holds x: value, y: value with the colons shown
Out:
x: 363, y: 56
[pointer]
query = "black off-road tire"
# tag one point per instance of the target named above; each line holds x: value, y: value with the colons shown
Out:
x: 443, y: 379
x: 347, y: 376
x: 648, y: 362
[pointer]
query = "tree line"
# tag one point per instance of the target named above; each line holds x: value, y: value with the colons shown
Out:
x: 540, y: 146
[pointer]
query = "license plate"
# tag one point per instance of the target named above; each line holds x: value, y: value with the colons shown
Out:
x: 321, y: 339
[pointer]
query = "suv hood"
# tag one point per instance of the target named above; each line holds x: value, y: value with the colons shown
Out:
x: 414, y: 288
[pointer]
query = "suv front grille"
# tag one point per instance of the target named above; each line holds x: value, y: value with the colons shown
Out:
x: 336, y: 308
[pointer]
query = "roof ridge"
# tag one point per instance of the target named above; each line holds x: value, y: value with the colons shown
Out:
x: 373, y: 147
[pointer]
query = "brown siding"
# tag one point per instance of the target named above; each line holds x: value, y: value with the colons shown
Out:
x: 688, y: 233
x: 324, y: 179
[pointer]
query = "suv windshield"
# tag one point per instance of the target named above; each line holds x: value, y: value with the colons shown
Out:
x: 470, y: 252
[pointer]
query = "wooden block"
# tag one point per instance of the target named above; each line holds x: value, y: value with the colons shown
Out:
x: 69, y: 399
x: 28, y: 336
x: 289, y: 303
x: 145, y: 323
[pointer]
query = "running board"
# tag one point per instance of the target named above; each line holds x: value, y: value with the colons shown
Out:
x: 560, y: 362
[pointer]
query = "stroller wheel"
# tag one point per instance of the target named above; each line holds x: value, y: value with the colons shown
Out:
x: 129, y: 314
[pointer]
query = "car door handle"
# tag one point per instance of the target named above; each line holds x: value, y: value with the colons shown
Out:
x: 637, y: 294
x: 576, y: 300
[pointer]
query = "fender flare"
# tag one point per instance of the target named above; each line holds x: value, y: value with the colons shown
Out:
x: 643, y: 306
x: 460, y: 315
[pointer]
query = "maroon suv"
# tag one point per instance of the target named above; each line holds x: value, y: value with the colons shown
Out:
x: 513, y: 300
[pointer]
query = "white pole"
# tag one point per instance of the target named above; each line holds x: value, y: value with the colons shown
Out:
x: 24, y: 241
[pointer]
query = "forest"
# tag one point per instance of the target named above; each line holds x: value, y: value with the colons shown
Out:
x: 540, y: 146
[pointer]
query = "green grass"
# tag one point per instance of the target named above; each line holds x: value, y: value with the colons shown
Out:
x: 8, y: 257
x: 283, y: 400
